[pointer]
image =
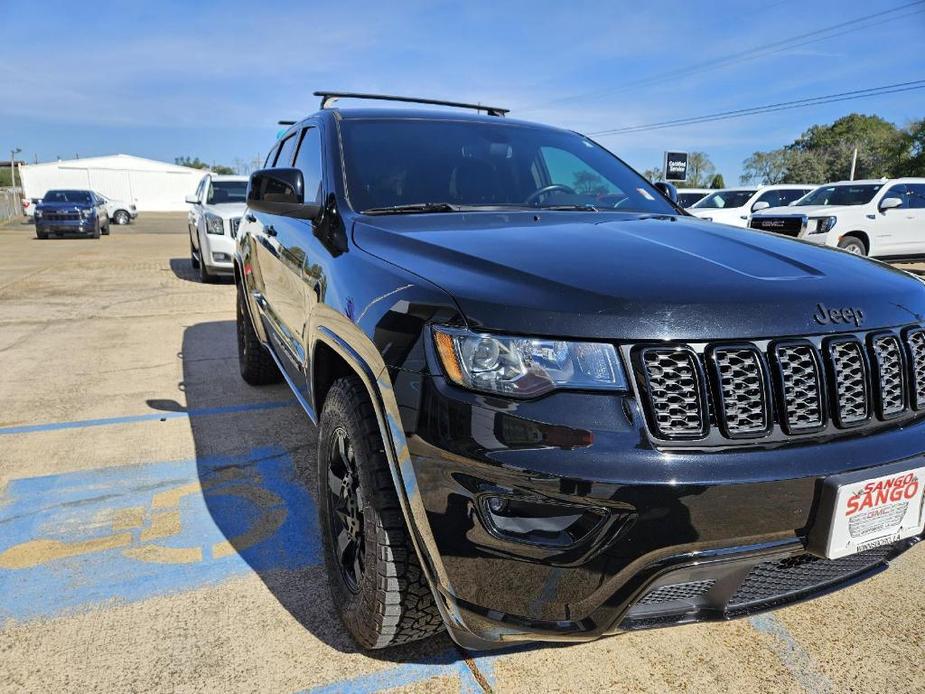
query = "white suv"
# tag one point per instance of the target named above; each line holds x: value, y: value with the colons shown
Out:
x: 217, y: 206
x: 884, y: 218
x: 734, y: 205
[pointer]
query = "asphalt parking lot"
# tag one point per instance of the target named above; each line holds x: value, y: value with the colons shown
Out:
x: 157, y: 532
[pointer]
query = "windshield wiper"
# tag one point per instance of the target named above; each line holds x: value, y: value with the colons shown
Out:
x: 567, y: 208
x: 414, y: 207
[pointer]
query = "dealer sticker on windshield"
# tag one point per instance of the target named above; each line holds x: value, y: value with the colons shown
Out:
x: 876, y: 512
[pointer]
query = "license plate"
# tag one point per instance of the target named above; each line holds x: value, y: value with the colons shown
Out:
x: 859, y: 512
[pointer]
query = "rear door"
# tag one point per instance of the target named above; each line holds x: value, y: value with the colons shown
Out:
x: 896, y: 230
x: 273, y: 235
x: 914, y: 232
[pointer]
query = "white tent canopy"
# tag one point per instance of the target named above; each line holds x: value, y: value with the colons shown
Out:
x: 154, y: 186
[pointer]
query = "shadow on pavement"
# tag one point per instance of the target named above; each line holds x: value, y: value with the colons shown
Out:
x: 183, y: 269
x: 270, y: 443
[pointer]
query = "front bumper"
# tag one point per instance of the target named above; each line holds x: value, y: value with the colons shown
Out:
x: 218, y: 252
x: 65, y: 226
x: 630, y: 527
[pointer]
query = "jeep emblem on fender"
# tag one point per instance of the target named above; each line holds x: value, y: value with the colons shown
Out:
x: 824, y: 315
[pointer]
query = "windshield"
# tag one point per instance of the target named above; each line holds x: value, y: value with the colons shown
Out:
x: 686, y: 199
x: 226, y: 191
x: 841, y: 195
x: 394, y: 161
x: 722, y: 199
x: 81, y: 197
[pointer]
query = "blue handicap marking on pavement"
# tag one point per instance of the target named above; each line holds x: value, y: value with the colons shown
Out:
x: 83, y: 538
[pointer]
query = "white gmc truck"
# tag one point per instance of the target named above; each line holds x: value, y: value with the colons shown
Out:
x: 881, y: 219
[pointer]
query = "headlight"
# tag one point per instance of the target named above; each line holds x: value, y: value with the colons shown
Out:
x: 526, y: 367
x: 214, y: 224
x: 86, y: 214
x: 38, y: 213
x: 825, y: 224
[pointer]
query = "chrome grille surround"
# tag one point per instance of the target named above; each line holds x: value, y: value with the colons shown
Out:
x: 674, y: 383
x: 801, y: 386
x: 848, y: 376
x: 819, y: 385
x: 888, y: 370
x: 742, y: 392
x: 915, y: 343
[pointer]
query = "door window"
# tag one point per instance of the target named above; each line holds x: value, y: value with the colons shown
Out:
x: 898, y: 191
x: 308, y: 161
x: 916, y: 195
x: 286, y: 150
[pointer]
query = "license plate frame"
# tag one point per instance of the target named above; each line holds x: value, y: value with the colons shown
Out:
x: 868, y: 508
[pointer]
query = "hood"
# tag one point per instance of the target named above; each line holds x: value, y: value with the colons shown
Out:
x: 636, y: 277
x: 808, y: 210
x: 47, y: 206
x: 227, y: 210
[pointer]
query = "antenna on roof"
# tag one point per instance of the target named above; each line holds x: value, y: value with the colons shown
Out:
x: 331, y: 97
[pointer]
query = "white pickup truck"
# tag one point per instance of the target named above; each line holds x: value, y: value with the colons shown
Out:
x: 882, y: 218
x: 734, y: 205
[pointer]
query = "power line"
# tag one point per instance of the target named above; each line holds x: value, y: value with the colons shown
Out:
x: 840, y: 29
x: 769, y: 108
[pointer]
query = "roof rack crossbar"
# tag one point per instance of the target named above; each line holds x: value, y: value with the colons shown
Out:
x: 327, y: 97
x: 286, y: 122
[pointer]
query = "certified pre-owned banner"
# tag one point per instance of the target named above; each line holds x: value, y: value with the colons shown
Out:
x: 675, y: 166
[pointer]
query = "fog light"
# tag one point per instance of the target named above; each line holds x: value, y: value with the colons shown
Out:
x: 221, y: 258
x: 537, y: 521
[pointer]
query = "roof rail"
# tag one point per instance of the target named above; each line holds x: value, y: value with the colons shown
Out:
x: 328, y: 97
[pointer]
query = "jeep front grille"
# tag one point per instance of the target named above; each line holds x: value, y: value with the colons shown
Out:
x: 916, y: 340
x: 800, y: 378
x: 779, y: 389
x: 743, y: 400
x: 675, y: 392
x: 850, y: 377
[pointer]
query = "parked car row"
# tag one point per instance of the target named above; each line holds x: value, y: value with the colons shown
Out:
x: 878, y: 218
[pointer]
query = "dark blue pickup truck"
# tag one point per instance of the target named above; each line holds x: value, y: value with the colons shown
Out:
x: 71, y: 212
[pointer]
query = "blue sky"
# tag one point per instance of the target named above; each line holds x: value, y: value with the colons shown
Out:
x: 210, y: 79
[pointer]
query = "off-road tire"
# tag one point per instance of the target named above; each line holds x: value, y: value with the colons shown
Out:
x: 105, y: 229
x: 95, y: 234
x: 256, y: 363
x: 393, y: 603
x: 854, y: 245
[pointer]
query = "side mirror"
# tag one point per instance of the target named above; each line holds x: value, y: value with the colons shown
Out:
x: 890, y: 203
x: 280, y: 192
x: 668, y: 190
x: 192, y: 199
x: 760, y: 205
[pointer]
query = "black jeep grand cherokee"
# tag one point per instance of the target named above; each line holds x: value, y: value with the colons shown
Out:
x: 551, y: 405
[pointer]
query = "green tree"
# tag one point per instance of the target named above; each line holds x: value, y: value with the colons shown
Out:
x: 589, y: 183
x: 913, y: 163
x: 222, y: 170
x: 717, y: 182
x: 6, y: 178
x: 699, y: 170
x: 653, y: 175
x: 765, y: 167
x: 191, y: 163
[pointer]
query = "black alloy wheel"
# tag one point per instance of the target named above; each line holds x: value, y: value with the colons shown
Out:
x: 345, y: 509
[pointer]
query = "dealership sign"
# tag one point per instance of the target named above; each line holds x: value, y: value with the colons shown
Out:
x: 675, y: 166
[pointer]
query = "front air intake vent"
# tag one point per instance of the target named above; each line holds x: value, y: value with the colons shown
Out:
x: 799, y: 375
x: 889, y: 374
x: 744, y: 409
x: 849, y: 382
x: 674, y: 384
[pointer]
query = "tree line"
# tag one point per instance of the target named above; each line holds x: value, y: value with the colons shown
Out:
x: 823, y: 153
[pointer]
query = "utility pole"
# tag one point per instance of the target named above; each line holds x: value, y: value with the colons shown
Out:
x: 854, y: 162
x: 13, y: 153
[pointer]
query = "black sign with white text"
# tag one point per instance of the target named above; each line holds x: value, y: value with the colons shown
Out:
x: 675, y: 166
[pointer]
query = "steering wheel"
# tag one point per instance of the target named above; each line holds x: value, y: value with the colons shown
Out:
x: 536, y: 194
